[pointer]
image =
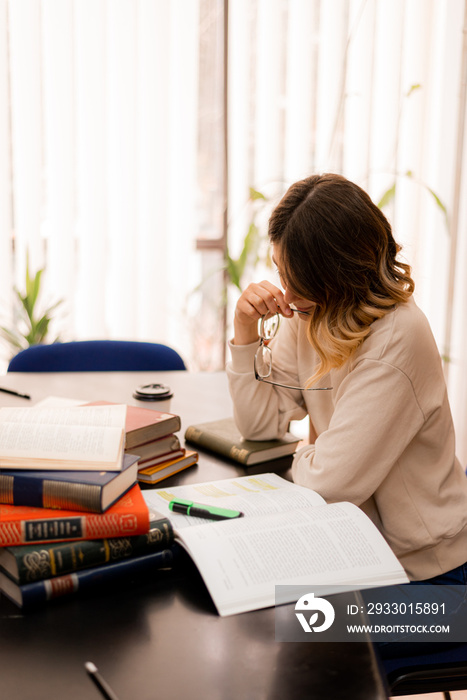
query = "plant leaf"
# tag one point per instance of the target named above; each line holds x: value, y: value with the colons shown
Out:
x: 38, y: 331
x: 26, y: 329
x: 388, y: 196
x: 439, y: 204
x: 51, y: 308
x: 35, y: 287
x: 413, y: 88
x: 256, y: 194
x: 437, y: 199
x: 231, y: 267
x: 12, y: 337
x: 250, y: 245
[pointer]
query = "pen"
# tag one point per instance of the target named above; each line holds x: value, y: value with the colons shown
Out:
x: 103, y: 687
x: 14, y: 393
x: 200, y: 510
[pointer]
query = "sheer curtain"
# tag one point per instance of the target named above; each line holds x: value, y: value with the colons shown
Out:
x: 99, y: 114
x: 375, y: 90
x: 112, y: 164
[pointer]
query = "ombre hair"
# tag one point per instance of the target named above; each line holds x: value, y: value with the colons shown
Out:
x: 337, y: 250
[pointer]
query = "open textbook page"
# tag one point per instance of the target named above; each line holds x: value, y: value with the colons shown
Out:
x: 90, y: 438
x: 252, y: 495
x: 288, y: 536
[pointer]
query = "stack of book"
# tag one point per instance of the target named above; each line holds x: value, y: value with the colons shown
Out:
x: 72, y: 515
x: 152, y: 436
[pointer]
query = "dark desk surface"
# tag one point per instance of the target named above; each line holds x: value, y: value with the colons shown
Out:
x: 164, y: 640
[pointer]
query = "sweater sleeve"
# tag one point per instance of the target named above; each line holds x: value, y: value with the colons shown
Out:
x: 263, y: 411
x: 375, y: 418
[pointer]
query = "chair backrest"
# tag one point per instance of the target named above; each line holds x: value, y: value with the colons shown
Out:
x: 97, y: 356
x: 435, y: 670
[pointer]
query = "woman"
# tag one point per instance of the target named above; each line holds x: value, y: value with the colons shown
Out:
x: 359, y: 358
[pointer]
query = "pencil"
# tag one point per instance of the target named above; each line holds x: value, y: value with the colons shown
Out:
x: 14, y: 393
x: 103, y: 687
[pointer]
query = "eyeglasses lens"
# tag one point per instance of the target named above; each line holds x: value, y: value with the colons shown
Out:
x: 263, y: 361
x: 269, y: 326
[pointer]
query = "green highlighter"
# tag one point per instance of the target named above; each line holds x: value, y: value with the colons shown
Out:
x: 200, y: 510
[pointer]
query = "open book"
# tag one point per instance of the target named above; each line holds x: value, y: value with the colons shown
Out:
x: 88, y: 438
x: 289, y: 536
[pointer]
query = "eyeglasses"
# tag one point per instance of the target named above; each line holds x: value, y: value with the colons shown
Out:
x: 269, y: 325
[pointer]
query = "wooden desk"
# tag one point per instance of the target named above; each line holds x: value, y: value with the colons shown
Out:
x: 164, y: 640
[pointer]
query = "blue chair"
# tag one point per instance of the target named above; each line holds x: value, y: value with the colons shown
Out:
x: 440, y: 670
x: 97, y: 356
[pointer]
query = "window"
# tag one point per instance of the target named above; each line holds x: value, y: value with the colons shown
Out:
x: 131, y: 132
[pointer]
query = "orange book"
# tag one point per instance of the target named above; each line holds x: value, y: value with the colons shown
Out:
x: 145, y: 424
x: 26, y: 525
x: 154, y: 473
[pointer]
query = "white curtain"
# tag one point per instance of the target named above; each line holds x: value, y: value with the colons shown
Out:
x: 106, y: 107
x: 375, y: 90
x: 101, y: 97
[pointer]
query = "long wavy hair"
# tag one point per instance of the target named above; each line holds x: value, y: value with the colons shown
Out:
x: 337, y: 250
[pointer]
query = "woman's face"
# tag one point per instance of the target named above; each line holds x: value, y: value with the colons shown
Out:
x: 290, y: 296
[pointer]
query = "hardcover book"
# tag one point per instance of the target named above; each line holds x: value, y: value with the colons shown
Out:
x: 73, y: 437
x: 154, y: 461
x: 26, y: 525
x: 87, y: 580
x: 223, y: 437
x: 157, y: 448
x: 28, y: 563
x: 154, y: 474
x: 288, y: 536
x: 145, y: 424
x: 81, y: 490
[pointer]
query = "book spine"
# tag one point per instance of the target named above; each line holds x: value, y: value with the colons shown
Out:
x: 40, y: 592
x: 36, y: 492
x: 216, y: 443
x: 6, y: 489
x: 60, y: 529
x: 157, y: 448
x: 148, y: 463
x: 157, y: 479
x: 171, y: 423
x: 36, y: 563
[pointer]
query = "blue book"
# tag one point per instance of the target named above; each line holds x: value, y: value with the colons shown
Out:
x: 108, y: 576
x: 86, y: 491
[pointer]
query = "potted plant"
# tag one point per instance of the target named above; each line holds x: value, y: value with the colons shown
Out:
x: 30, y: 324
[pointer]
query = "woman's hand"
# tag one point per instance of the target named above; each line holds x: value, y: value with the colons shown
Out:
x: 255, y: 302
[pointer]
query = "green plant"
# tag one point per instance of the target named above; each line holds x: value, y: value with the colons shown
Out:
x: 390, y: 193
x: 250, y: 254
x: 30, y: 326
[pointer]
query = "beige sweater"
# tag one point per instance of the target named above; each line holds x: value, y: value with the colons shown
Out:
x: 385, y: 434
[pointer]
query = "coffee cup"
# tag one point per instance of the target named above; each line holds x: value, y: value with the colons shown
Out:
x: 156, y: 396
